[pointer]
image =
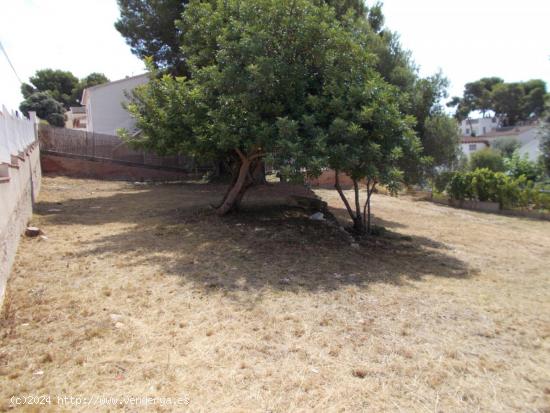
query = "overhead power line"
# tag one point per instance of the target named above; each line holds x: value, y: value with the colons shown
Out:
x: 9, y: 62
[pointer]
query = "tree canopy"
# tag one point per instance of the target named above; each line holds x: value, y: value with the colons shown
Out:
x: 153, y: 29
x: 58, y: 83
x: 45, y: 106
x: 511, y: 102
x: 274, y: 79
x: 342, y: 7
x: 149, y: 27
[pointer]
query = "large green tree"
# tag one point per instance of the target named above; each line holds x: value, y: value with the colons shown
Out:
x: 510, y: 102
x: 149, y: 27
x: 262, y: 75
x: 342, y: 7
x: 58, y: 83
x: 479, y: 95
x: 441, y: 141
x: 45, y: 106
x: 534, y: 98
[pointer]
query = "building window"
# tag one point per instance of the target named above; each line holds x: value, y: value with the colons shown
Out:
x: 467, y: 131
x: 473, y: 147
x: 484, y: 130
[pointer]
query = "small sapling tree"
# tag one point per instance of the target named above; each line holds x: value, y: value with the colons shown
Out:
x: 369, y: 140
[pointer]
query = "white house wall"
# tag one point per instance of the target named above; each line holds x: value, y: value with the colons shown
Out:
x: 531, y: 149
x: 528, y: 136
x: 105, y: 108
x: 480, y: 126
x: 469, y: 148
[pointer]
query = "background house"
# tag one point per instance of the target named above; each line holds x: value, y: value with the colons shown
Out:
x: 75, y: 118
x: 527, y: 137
x: 473, y: 144
x: 477, y: 127
x: 105, y: 112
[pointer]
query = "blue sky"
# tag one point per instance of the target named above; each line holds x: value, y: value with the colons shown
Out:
x: 467, y: 40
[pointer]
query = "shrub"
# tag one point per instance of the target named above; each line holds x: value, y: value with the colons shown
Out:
x: 486, y: 185
x: 487, y: 158
x: 459, y: 186
x: 542, y: 200
x: 506, y: 146
x: 510, y: 192
x: 441, y: 180
x: 517, y: 166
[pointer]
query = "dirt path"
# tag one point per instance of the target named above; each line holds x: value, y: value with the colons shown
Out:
x: 139, y: 290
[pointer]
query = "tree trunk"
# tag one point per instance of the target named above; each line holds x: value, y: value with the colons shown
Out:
x: 242, y: 180
x: 371, y: 185
x: 341, y: 193
x: 258, y: 173
x: 237, y: 189
x: 234, y: 177
x: 368, y: 214
x: 358, y: 222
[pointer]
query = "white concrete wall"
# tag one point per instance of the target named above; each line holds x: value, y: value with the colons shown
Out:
x: 530, y: 135
x: 15, y: 134
x: 531, y: 150
x: 468, y: 150
x: 104, y: 105
x: 19, y: 185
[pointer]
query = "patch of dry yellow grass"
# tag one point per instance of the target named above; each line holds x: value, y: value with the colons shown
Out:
x: 141, y: 291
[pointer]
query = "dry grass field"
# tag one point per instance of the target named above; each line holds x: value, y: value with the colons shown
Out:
x: 139, y: 290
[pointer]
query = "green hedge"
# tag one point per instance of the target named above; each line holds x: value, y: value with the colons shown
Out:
x: 485, y: 185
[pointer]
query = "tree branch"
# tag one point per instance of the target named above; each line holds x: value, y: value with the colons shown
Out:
x: 370, y: 190
x: 257, y: 155
x: 342, y: 196
x: 357, y: 204
x: 241, y: 155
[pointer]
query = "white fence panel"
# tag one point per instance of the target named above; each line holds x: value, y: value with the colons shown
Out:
x: 16, y: 134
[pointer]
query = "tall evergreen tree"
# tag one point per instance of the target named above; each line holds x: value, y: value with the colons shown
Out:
x: 149, y: 27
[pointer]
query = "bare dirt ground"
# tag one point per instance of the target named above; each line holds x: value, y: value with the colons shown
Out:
x: 139, y: 290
